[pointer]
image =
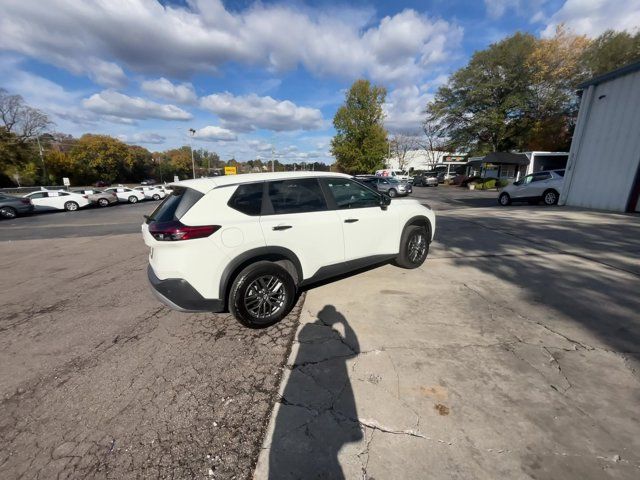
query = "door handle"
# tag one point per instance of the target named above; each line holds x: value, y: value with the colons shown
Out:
x: 281, y: 227
x: 351, y: 220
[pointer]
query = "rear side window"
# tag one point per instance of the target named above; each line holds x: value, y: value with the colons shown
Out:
x: 296, y: 196
x: 247, y: 198
x: 175, y: 205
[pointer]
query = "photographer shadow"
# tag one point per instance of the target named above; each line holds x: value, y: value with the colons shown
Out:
x: 317, y: 415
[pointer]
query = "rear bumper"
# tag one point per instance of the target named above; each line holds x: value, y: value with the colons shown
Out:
x: 24, y: 208
x: 180, y: 295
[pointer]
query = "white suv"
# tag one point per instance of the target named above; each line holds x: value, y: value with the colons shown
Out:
x: 250, y: 242
x: 545, y: 186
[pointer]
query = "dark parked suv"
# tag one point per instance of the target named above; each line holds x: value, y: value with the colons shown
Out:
x: 11, y: 207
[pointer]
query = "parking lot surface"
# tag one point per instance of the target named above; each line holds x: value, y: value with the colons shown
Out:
x: 511, y: 353
x: 99, y: 380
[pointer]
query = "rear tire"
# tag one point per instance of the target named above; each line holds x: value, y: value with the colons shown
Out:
x: 550, y: 197
x: 133, y: 199
x: 103, y: 202
x: 8, y: 212
x: 262, y: 294
x: 71, y: 206
x: 414, y: 247
x: 156, y: 197
x: 504, y: 199
x: 392, y: 192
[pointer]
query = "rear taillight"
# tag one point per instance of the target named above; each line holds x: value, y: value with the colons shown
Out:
x: 85, y: 196
x: 26, y: 201
x: 173, y: 231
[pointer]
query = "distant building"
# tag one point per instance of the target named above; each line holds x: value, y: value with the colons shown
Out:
x: 421, y: 159
x: 604, y: 163
x: 511, y: 165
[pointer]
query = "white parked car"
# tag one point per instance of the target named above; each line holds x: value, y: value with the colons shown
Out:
x: 250, y: 242
x: 165, y: 189
x: 545, y: 186
x: 126, y: 194
x: 44, y: 200
x: 151, y: 193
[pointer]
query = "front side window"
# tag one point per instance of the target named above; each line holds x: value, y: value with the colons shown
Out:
x: 348, y: 193
x: 527, y: 180
x: 296, y: 196
x: 247, y: 198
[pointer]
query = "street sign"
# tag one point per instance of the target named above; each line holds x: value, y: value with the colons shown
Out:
x: 230, y: 170
x: 65, y: 181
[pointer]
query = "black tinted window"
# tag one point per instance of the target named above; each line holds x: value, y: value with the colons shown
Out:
x: 296, y: 196
x: 175, y: 205
x: 247, y: 199
x: 350, y: 194
x: 560, y: 173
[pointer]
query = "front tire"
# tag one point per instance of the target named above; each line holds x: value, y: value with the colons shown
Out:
x: 262, y: 294
x: 392, y: 192
x: 504, y: 199
x: 156, y: 197
x: 71, y: 206
x: 133, y: 199
x: 550, y: 197
x: 414, y: 247
x: 8, y: 212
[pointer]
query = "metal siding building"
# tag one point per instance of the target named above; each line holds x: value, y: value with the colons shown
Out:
x: 603, y: 171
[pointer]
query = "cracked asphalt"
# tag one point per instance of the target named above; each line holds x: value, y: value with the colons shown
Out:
x: 511, y: 353
x: 99, y: 380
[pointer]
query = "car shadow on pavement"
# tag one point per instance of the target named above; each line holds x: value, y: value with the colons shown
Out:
x: 317, y: 414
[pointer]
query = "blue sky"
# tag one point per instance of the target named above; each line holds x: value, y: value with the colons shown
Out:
x: 252, y: 77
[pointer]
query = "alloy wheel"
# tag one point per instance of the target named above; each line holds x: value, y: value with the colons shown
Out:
x: 417, y: 247
x: 265, y: 296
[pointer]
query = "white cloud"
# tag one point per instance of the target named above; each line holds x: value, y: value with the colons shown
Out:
x: 148, y: 37
x: 592, y: 17
x: 143, y: 137
x: 251, y: 112
x: 110, y: 102
x: 404, y: 109
x: 163, y: 88
x: 260, y: 146
x: 214, y: 134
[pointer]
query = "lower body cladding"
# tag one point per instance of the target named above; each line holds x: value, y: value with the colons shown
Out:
x: 179, y: 294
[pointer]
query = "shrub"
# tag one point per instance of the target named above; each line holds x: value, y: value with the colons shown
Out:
x: 502, y: 183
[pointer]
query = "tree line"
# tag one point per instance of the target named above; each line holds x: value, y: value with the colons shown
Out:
x: 519, y: 94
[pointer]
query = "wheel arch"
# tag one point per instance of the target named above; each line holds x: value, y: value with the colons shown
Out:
x: 280, y: 255
x: 421, y: 221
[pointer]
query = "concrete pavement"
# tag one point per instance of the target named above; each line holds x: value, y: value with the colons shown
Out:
x: 511, y: 353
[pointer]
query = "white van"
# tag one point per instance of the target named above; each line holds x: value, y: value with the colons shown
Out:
x: 397, y: 174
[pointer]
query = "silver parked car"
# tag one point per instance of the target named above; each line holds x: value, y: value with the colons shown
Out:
x: 11, y: 207
x: 388, y: 185
x: 99, y: 197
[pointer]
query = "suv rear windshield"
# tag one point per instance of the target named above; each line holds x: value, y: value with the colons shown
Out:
x: 175, y: 205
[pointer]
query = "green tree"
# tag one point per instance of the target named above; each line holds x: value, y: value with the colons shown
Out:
x: 483, y: 107
x: 611, y: 50
x: 360, y: 144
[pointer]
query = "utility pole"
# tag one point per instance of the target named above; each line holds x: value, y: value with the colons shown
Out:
x: 273, y: 165
x: 193, y: 163
x: 44, y: 167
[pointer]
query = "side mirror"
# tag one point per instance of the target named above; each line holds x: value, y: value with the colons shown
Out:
x: 519, y: 182
x: 385, y: 200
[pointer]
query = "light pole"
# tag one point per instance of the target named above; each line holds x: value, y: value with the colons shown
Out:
x: 192, y: 132
x: 44, y: 167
